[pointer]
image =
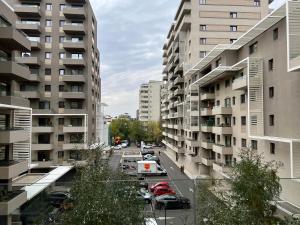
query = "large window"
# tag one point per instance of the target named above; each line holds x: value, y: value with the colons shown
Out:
x: 49, y: 7
x: 203, y: 27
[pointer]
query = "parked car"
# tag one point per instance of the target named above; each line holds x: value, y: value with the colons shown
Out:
x: 163, y: 190
x: 147, y: 146
x: 147, y: 156
x: 172, y: 202
x: 124, y: 145
x: 149, y: 221
x: 144, y: 195
x: 145, y: 152
x: 58, y: 197
x: 153, y: 158
x: 118, y: 147
x: 144, y: 184
x: 159, y: 184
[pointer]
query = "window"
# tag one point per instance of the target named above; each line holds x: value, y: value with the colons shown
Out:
x: 61, y: 23
x: 233, y: 120
x: 61, y: 88
x: 271, y: 92
x: 253, y: 48
x: 243, y: 98
x: 47, y: 71
x: 254, y: 144
x: 44, y: 105
x: 61, y: 121
x: 61, y: 105
x: 234, y: 141
x: 243, y: 121
x: 233, y: 15
x: 227, y: 83
x: 202, y: 54
x: 48, y: 39
x: 47, y: 87
x: 61, y: 137
x: 233, y: 100
x: 218, y: 138
x: 243, y: 143
x: 272, y: 148
x: 218, y: 62
x: 275, y: 34
x: 256, y: 3
x: 202, y: 27
x: 233, y: 28
x: 49, y: 7
x: 48, y: 55
x: 77, y: 56
x: 62, y: 39
x: 61, y: 154
x: 202, y: 41
x: 232, y: 40
x: 218, y: 121
x: 218, y: 87
x: 61, y: 72
x: 62, y: 55
x: 271, y: 120
x: 61, y: 7
x: 202, y: 2
x: 271, y: 65
x: 217, y: 102
x: 48, y: 23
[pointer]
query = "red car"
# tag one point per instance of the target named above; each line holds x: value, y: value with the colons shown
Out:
x: 159, y: 184
x: 163, y: 190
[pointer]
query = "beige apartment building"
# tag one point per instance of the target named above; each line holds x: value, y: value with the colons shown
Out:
x: 197, y: 28
x: 248, y: 94
x: 150, y: 101
x: 64, y: 85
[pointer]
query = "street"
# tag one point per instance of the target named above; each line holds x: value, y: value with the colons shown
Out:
x: 179, y: 182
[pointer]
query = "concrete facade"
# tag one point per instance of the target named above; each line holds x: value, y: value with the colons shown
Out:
x: 63, y: 60
x: 245, y: 96
x: 150, y: 101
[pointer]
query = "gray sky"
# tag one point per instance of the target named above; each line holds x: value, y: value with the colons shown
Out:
x: 131, y: 34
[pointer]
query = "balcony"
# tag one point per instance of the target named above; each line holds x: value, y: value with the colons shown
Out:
x: 74, y: 28
x: 13, y: 39
x: 196, y: 159
x: 13, y: 135
x: 12, y: 169
x: 179, y: 92
x: 75, y: 1
x: 207, y: 144
x: 74, y: 12
x: 35, y: 45
x: 222, y: 130
x: 218, y: 110
x: 206, y: 112
x: 184, y: 24
x: 239, y: 83
x: 207, y: 96
x: 27, y: 27
x: 72, y: 78
x: 179, y: 80
x: 220, y: 167
x: 206, y: 128
x: 74, y: 146
x: 42, y: 129
x: 30, y: 94
x: 74, y: 46
x: 74, y: 129
x: 14, y: 100
x: 28, y: 10
x: 74, y: 62
x: 12, y: 201
x: 192, y: 143
x: 74, y: 111
x: 207, y: 161
x: 222, y: 149
x: 10, y: 70
x: 42, y: 147
x: 29, y: 60
x: 72, y: 95
x: 42, y: 111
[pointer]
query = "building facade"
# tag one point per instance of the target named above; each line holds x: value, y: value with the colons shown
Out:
x: 198, y: 27
x: 247, y: 94
x: 64, y: 88
x: 150, y: 101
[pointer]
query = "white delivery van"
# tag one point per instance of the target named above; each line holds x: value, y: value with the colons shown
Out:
x: 150, y: 168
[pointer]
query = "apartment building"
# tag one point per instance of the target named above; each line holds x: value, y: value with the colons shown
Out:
x: 197, y: 28
x: 150, y: 101
x: 64, y: 85
x: 248, y: 95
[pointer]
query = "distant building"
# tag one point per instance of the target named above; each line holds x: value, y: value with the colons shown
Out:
x: 150, y: 101
x: 125, y: 116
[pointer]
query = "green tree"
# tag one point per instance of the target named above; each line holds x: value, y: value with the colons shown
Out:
x: 120, y: 128
x: 103, y: 197
x: 154, y: 132
x: 137, y: 131
x: 245, y: 198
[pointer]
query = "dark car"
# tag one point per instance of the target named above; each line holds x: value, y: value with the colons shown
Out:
x: 58, y: 197
x: 172, y: 202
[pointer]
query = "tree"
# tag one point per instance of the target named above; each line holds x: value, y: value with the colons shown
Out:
x: 252, y: 186
x: 137, y: 131
x: 120, y: 128
x: 103, y: 197
x: 154, y: 131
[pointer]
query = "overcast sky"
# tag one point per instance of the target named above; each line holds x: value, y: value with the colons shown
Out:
x: 131, y: 34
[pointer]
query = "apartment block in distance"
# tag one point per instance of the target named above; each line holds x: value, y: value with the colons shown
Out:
x: 150, y: 101
x: 64, y: 88
x: 198, y: 27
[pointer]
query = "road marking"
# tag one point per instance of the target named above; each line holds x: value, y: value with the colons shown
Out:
x: 191, y: 189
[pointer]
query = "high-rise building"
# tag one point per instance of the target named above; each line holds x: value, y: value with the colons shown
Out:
x: 247, y: 94
x: 197, y: 29
x: 64, y: 84
x: 150, y: 101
